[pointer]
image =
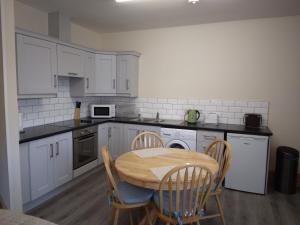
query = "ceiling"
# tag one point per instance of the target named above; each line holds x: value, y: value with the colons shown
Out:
x: 109, y: 16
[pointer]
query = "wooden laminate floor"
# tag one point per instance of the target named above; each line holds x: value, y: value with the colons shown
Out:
x: 86, y: 204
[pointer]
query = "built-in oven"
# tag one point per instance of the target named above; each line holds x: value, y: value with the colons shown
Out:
x: 85, y: 143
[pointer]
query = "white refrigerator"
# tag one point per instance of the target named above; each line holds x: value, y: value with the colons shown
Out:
x: 249, y: 167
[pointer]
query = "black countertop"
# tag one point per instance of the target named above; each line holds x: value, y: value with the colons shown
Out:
x: 38, y: 132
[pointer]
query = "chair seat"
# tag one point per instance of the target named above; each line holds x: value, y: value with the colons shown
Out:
x: 166, y: 202
x: 131, y: 194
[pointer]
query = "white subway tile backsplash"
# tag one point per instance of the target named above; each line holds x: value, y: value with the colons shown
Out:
x: 229, y: 111
x: 48, y: 110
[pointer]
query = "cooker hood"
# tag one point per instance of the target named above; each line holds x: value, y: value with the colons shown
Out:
x: 59, y: 26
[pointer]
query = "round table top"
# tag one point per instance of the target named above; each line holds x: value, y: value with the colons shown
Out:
x: 136, y: 167
x: 9, y: 217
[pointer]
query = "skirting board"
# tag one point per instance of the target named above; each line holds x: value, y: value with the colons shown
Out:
x: 272, y: 178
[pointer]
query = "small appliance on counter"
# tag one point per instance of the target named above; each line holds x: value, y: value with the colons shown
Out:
x: 192, y: 116
x: 103, y: 111
x: 211, y: 118
x: 77, y: 111
x: 252, y: 120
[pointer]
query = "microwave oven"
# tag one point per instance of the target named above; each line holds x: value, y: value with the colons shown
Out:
x: 102, y: 111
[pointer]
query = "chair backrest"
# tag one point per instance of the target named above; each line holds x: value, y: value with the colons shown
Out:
x: 109, y: 168
x: 220, y: 150
x: 147, y: 140
x: 187, y: 191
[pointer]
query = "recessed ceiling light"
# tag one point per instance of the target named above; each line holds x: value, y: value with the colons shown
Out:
x: 193, y: 1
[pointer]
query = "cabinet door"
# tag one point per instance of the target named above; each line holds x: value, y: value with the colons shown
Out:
x: 105, y: 74
x: 130, y: 132
x: 36, y: 66
x: 25, y: 173
x: 127, y: 75
x: 115, y: 140
x: 249, y: 163
x: 90, y: 73
x: 63, y: 163
x: 102, y: 140
x: 41, y: 160
x: 70, y: 61
x: 204, y: 138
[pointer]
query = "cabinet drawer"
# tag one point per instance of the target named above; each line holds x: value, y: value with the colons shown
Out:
x: 209, y: 136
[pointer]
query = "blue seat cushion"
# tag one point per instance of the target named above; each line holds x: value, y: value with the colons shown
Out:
x: 131, y: 194
x: 166, y: 201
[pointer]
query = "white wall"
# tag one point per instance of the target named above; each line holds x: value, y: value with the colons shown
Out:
x: 242, y: 60
x: 10, y: 180
x: 36, y: 21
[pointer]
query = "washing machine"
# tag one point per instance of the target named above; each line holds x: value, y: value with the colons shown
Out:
x: 179, y: 138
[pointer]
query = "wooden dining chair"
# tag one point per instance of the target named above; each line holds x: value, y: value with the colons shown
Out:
x: 220, y: 150
x: 123, y: 195
x: 183, y: 191
x: 147, y: 140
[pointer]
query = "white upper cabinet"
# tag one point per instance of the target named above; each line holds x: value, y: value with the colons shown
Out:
x: 70, y: 61
x: 106, y: 74
x: 36, y: 67
x: 127, y: 75
x: 90, y: 73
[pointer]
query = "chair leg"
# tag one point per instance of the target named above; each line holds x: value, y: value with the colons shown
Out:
x: 130, y: 218
x: 149, y: 219
x: 220, y: 209
x: 116, y: 217
x: 198, y: 223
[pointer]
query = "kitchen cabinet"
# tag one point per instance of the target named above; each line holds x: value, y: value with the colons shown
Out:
x: 90, y: 74
x: 127, y: 75
x: 24, y: 165
x: 36, y: 67
x: 50, y: 162
x: 106, y: 83
x: 131, y: 131
x: 63, y: 163
x: 249, y: 166
x: 204, y: 138
x: 70, y: 61
x: 102, y: 140
x: 115, y: 140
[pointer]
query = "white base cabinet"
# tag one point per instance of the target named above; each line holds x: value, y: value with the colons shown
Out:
x: 130, y: 131
x: 50, y: 163
x: 204, y: 138
x: 249, y: 166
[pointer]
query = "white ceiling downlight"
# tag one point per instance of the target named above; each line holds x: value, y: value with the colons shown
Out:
x: 193, y: 1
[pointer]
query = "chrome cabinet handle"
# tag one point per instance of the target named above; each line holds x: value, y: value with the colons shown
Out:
x: 72, y: 74
x: 87, y: 83
x: 57, y: 148
x: 51, y: 151
x: 127, y: 84
x: 114, y: 83
x: 55, y: 81
x: 109, y: 132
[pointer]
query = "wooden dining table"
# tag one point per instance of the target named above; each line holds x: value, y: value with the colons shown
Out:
x: 145, y: 167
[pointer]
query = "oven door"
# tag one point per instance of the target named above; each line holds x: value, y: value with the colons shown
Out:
x: 85, y: 150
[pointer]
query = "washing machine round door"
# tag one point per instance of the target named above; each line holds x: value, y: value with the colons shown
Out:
x: 177, y: 144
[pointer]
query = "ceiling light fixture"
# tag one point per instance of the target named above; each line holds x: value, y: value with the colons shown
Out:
x: 120, y: 1
x: 193, y: 1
